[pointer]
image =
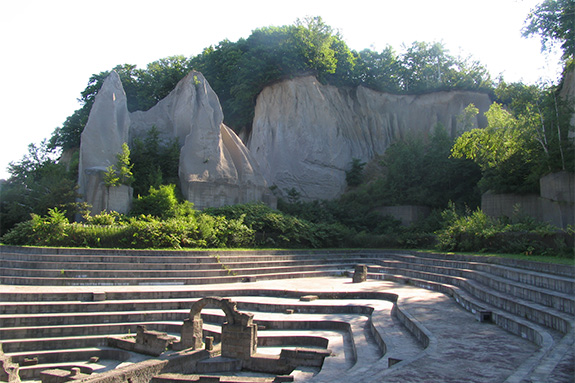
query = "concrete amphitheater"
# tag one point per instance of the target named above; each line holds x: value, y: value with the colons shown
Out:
x: 79, y: 315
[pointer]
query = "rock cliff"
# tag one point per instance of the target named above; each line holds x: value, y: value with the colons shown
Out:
x: 306, y: 134
x: 215, y: 167
x: 106, y: 130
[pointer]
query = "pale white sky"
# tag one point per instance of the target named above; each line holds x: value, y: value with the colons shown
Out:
x: 51, y: 48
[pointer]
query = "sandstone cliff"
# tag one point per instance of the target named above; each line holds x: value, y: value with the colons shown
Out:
x: 306, y: 134
x: 215, y: 167
x: 106, y: 130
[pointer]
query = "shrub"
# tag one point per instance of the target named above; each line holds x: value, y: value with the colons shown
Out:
x: 476, y: 232
x: 145, y: 231
x: 50, y: 230
x: 162, y: 203
x: 274, y: 229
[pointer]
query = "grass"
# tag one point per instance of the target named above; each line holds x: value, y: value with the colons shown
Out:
x: 534, y: 258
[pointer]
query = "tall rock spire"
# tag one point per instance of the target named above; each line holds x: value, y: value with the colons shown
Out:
x: 106, y: 130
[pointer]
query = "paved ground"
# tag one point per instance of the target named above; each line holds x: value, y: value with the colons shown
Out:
x: 464, y: 350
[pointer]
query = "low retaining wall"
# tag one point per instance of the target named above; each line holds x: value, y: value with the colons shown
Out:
x: 555, y: 204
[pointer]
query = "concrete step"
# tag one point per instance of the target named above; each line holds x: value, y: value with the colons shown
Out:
x: 65, y: 273
x: 70, y: 354
x: 537, y: 313
x: 299, y: 272
x: 557, y: 300
x: 542, y: 279
x: 111, y: 266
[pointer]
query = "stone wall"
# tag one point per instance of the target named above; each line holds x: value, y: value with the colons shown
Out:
x: 407, y: 214
x: 555, y: 204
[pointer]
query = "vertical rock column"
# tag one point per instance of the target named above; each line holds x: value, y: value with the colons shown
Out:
x: 107, y: 129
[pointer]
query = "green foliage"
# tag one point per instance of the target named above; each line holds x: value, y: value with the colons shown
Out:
x: 418, y: 172
x: 112, y: 230
x: 239, y: 71
x: 162, y: 203
x: 155, y: 162
x: 143, y: 87
x: 476, y: 232
x: 111, y: 177
x: 37, y: 183
x: 554, y: 22
x: 121, y: 173
x: 274, y: 229
x: 354, y: 176
x: 428, y: 66
x: 521, y: 142
x: 379, y: 71
x: 50, y: 230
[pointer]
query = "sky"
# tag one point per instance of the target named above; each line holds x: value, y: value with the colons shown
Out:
x: 51, y: 48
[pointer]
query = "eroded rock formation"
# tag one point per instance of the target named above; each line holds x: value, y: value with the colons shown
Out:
x: 215, y: 167
x: 306, y: 134
x: 106, y: 130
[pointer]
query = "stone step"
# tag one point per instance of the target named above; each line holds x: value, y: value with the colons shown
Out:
x: 25, y: 309
x: 152, y: 257
x: 558, y: 283
x: 79, y: 330
x: 537, y: 313
x: 141, y: 266
x: 218, y: 364
x: 30, y: 346
x: 557, y: 300
x: 259, y: 274
x: 70, y: 354
x: 111, y: 266
x: 190, y: 378
x: 65, y: 273
x: 266, y: 268
x: 158, y: 256
x: 93, y: 318
x: 520, y: 265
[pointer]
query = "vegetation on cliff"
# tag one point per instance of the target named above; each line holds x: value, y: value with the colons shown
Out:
x: 527, y: 136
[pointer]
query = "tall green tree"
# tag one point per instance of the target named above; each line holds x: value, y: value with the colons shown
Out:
x: 554, y: 22
x: 379, y: 71
x: 155, y: 162
x: 429, y: 66
x: 37, y: 183
x: 522, y: 141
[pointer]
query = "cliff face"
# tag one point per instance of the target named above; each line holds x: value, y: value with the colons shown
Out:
x: 106, y: 130
x: 306, y: 134
x: 215, y: 167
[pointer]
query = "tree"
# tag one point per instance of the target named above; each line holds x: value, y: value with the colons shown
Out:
x: 155, y: 162
x: 120, y: 173
x: 158, y: 80
x: 504, y: 151
x: 354, y: 175
x: 379, y: 71
x: 554, y: 22
x: 37, y: 183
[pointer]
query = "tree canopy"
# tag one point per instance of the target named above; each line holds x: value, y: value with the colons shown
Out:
x: 554, y: 22
x: 238, y: 72
x: 522, y: 141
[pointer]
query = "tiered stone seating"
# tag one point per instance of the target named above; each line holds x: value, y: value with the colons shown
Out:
x: 52, y: 324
